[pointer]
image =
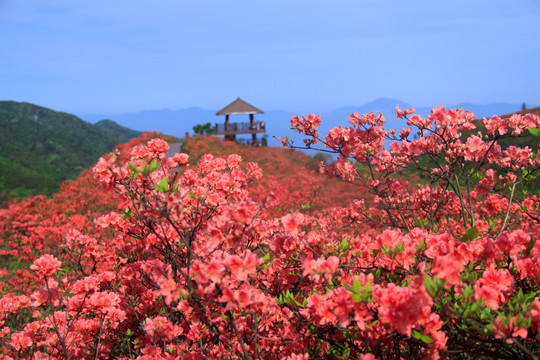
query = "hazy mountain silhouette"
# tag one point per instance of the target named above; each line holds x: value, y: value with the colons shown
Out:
x: 178, y: 122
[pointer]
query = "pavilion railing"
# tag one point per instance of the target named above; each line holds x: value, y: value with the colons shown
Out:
x: 258, y: 126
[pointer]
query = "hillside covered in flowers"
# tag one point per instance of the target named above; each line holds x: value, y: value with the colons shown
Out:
x: 428, y: 248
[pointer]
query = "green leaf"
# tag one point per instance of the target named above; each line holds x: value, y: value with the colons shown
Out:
x: 267, y: 262
x: 163, y: 185
x: 420, y: 223
x: 468, y: 292
x: 534, y: 132
x: 398, y: 249
x: 343, y: 246
x: 432, y: 285
x: 134, y: 169
x: 377, y: 276
x: 285, y: 298
x: 470, y: 234
x: 356, y: 286
x: 423, y: 337
x: 289, y: 297
x: 127, y: 214
x: 367, y: 292
x: 476, y: 306
x: 422, y: 246
x: 144, y: 169
x: 154, y: 165
x: 300, y: 304
x: 520, y: 296
x: 386, y: 251
x: 477, y: 176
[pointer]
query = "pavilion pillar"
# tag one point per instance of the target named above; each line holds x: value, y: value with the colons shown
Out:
x: 252, y: 128
x: 228, y: 136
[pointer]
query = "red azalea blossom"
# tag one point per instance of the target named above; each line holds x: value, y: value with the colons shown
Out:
x: 46, y: 266
x: 494, y: 287
x: 403, y: 113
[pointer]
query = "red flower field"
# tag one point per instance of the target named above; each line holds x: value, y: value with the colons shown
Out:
x: 428, y: 248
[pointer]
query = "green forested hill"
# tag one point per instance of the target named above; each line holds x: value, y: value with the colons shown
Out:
x: 116, y: 129
x: 40, y: 148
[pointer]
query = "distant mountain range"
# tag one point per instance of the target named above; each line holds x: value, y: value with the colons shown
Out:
x: 178, y: 122
x: 40, y: 148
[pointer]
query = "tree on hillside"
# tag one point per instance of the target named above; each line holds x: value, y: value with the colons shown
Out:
x: 204, y: 129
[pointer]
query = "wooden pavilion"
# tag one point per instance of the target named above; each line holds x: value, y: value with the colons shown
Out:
x: 230, y: 130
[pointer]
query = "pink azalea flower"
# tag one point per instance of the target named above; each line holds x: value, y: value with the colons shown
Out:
x: 181, y: 159
x: 20, y: 340
x: 158, y: 147
x: 46, y: 266
x: 494, y: 287
x: 402, y: 113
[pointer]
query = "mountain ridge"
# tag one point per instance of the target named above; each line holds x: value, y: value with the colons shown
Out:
x: 178, y: 122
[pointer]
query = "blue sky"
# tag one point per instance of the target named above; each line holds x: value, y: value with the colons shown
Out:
x: 303, y: 56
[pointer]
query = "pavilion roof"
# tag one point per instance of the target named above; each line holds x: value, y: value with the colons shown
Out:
x: 238, y: 107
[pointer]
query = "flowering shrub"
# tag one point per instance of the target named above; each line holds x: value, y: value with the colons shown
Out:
x: 290, y: 181
x: 190, y: 260
x: 475, y: 230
